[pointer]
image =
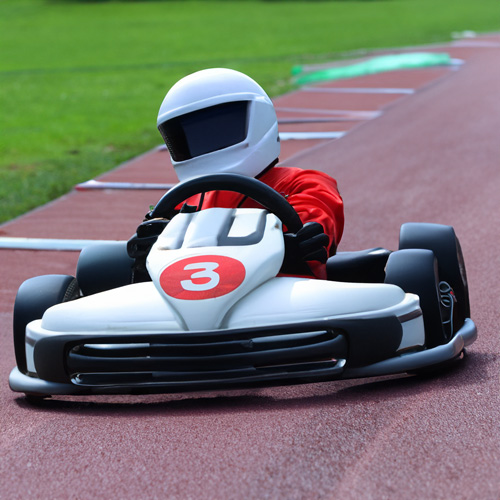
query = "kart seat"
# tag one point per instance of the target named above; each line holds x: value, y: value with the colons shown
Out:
x: 363, y: 266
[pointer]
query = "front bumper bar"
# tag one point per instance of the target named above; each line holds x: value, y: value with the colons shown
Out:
x: 281, y: 355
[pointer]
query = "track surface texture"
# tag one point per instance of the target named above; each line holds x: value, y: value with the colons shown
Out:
x: 432, y: 155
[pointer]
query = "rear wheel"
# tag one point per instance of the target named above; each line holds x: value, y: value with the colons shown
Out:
x: 445, y: 245
x: 416, y: 271
x: 33, y: 298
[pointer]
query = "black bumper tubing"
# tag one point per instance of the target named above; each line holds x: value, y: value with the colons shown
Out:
x: 226, y: 356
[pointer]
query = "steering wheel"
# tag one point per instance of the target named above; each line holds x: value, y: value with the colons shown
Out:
x: 236, y: 183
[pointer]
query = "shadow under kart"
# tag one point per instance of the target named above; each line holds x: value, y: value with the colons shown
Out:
x: 217, y: 314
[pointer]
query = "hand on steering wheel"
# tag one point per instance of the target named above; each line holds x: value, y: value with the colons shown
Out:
x: 306, y: 245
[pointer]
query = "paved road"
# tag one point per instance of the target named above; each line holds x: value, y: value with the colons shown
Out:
x: 433, y: 155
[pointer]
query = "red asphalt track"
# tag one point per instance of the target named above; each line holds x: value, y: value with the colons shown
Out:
x: 433, y: 155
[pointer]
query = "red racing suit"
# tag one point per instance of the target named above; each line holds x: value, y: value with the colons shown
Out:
x: 313, y: 194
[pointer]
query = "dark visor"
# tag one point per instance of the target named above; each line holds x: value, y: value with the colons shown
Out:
x: 205, y: 130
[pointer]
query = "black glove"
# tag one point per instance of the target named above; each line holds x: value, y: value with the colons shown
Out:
x: 139, y: 246
x: 147, y: 233
x: 308, y: 244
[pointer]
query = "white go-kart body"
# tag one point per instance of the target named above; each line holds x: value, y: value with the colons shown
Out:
x: 217, y: 314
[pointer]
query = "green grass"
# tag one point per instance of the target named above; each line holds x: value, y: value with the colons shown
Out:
x: 81, y: 82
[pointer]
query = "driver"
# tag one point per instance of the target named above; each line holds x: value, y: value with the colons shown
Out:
x: 220, y: 120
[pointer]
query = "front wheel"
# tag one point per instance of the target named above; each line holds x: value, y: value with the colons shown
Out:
x: 33, y: 298
x: 416, y: 271
x: 445, y: 245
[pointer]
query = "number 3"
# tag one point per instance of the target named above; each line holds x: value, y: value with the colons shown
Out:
x: 207, y: 271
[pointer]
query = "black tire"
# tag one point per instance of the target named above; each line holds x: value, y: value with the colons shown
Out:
x: 104, y: 266
x: 33, y: 298
x: 416, y: 271
x: 443, y: 241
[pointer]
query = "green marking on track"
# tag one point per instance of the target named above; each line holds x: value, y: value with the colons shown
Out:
x: 375, y: 65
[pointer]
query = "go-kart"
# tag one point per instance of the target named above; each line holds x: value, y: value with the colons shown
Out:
x: 216, y: 314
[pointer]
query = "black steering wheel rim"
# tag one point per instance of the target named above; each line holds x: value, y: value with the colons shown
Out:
x: 236, y: 183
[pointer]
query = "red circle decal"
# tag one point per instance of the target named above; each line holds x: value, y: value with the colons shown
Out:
x: 202, y: 277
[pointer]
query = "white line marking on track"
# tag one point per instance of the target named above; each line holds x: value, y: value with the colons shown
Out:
x: 358, y: 90
x: 47, y: 243
x: 475, y: 43
x: 289, y: 136
x: 313, y: 120
x: 364, y: 115
x: 93, y: 184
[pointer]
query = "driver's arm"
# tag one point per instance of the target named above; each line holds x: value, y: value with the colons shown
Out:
x: 316, y: 198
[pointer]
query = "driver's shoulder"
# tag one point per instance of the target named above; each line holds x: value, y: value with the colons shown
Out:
x: 286, y: 178
x: 280, y: 174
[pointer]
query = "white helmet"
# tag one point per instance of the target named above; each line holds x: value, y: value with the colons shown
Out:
x: 219, y: 120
